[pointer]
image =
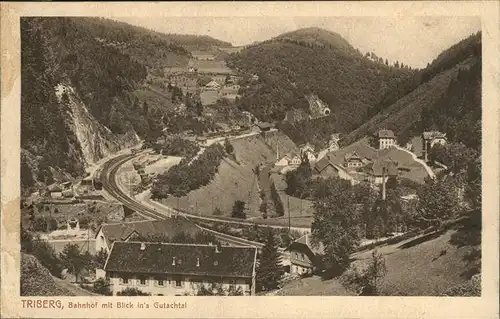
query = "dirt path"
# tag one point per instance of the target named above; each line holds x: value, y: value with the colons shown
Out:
x: 418, y: 160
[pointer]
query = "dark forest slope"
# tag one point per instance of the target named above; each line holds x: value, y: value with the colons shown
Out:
x: 307, y: 61
x: 445, y: 96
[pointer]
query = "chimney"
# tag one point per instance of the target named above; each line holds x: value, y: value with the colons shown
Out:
x: 143, y: 246
x: 173, y: 261
x: 197, y: 262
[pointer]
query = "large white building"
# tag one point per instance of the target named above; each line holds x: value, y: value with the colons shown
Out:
x: 386, y: 139
x: 179, y: 269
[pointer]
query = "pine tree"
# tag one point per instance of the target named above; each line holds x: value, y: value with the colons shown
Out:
x: 269, y: 270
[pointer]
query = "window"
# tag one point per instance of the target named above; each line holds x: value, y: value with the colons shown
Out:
x: 178, y: 283
x: 160, y: 282
x: 125, y: 280
x: 142, y: 280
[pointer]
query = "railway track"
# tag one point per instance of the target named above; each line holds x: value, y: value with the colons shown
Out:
x: 107, y: 176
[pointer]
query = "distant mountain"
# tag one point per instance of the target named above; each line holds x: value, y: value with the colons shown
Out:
x: 317, y: 37
x: 446, y: 96
x: 312, y: 61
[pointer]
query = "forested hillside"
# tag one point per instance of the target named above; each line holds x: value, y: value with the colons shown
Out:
x: 153, y: 49
x: 68, y: 72
x: 445, y: 96
x: 307, y: 61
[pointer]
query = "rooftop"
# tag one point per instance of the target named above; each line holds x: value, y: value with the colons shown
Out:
x: 385, y: 134
x: 169, y: 226
x: 433, y: 134
x: 161, y: 258
x: 376, y: 168
x: 316, y: 248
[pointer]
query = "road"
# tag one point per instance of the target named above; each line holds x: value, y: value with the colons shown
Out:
x: 418, y: 160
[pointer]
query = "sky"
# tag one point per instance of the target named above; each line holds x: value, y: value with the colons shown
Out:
x: 415, y: 41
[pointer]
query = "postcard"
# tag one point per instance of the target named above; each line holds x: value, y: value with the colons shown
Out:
x: 250, y: 160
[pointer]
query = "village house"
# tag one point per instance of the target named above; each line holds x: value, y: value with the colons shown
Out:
x: 255, y: 77
x: 264, y: 126
x: 295, y: 160
x: 108, y: 233
x: 385, y: 139
x: 308, y: 150
x: 353, y: 160
x: 305, y: 256
x: 429, y: 139
x: 380, y: 170
x: 325, y: 168
x: 179, y: 269
x: 55, y: 191
x: 201, y: 55
x: 284, y: 161
x: 212, y: 86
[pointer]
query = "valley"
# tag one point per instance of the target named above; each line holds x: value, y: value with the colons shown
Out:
x: 314, y: 159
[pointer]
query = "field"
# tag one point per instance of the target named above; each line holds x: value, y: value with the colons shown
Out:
x: 235, y: 179
x: 427, y: 268
x: 421, y: 266
x: 205, y: 66
x: 314, y: 286
x: 300, y: 210
x: 162, y: 165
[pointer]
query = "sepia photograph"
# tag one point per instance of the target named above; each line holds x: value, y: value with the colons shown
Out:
x: 274, y: 161
x: 168, y: 157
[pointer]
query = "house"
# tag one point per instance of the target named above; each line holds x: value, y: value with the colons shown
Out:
x: 201, y: 139
x: 429, y: 139
x: 264, y: 126
x: 68, y: 193
x: 179, y: 269
x: 295, y: 160
x: 353, y: 160
x: 55, y: 191
x: 305, y: 256
x: 108, y: 233
x: 255, y: 77
x: 326, y: 168
x: 66, y: 185
x: 212, y: 85
x: 308, y: 150
x: 385, y: 139
x: 284, y: 161
x: 381, y: 170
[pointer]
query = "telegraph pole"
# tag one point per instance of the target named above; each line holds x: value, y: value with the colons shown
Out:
x: 289, y: 218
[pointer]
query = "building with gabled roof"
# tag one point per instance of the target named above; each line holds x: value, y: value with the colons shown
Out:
x: 385, y: 139
x: 429, y: 139
x: 212, y: 85
x: 284, y: 161
x: 326, y: 168
x: 178, y: 269
x: 382, y: 169
x: 305, y: 255
x: 353, y: 160
x: 109, y: 233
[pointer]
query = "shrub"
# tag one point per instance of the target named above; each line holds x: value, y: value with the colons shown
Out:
x: 101, y: 287
x: 132, y: 292
x: 470, y: 288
